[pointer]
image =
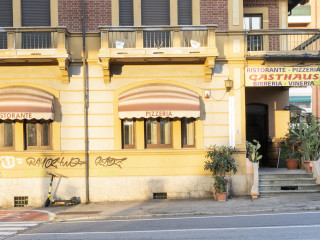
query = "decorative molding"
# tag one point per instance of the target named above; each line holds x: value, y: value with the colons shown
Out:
x: 106, y: 69
x: 63, y: 64
x: 208, y: 65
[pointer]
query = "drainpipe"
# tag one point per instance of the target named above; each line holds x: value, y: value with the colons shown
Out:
x: 85, y: 101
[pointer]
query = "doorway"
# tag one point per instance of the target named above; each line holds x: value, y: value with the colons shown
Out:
x: 257, y: 128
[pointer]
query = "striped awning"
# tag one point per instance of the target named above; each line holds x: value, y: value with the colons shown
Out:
x: 20, y: 102
x: 159, y: 100
x: 299, y: 99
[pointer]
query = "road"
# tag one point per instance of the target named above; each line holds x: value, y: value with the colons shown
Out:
x: 288, y: 225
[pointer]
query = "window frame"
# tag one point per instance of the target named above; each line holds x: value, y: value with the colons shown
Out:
x: 182, y: 133
x: 39, y: 135
x: 124, y: 146
x: 158, y: 145
x: 2, y: 138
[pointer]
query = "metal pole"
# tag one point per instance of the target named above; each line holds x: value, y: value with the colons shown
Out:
x: 85, y: 101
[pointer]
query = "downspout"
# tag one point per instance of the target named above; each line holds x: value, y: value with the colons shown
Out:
x: 85, y: 101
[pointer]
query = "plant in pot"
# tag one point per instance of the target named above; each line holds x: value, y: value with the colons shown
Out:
x: 220, y: 161
x: 308, y: 135
x: 290, y: 155
x: 254, y: 157
x: 253, y: 151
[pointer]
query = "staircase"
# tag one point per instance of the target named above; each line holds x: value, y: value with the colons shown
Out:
x: 281, y: 180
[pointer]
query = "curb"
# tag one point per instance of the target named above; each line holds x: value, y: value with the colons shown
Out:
x: 56, y: 219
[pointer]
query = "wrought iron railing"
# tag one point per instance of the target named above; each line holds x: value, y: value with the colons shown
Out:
x: 283, y: 40
x: 33, y: 38
x: 3, y: 40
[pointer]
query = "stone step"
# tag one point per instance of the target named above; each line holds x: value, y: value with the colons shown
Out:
x: 269, y: 192
x: 280, y: 176
x: 279, y: 181
x: 289, y: 187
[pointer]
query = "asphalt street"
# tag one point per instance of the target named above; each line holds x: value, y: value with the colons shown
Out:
x: 286, y: 225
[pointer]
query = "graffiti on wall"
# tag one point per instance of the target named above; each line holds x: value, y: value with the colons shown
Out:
x: 8, y: 162
x: 109, y: 161
x: 48, y: 162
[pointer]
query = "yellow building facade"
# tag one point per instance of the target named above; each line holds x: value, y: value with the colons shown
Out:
x: 133, y: 115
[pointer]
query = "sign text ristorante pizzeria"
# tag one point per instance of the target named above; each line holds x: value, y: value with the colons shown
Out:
x: 282, y: 76
x: 9, y: 115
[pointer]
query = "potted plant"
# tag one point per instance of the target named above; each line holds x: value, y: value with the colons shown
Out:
x: 308, y: 135
x: 252, y: 151
x: 220, y: 161
x: 254, y: 157
x: 290, y: 155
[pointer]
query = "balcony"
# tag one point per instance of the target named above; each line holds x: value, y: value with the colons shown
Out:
x: 33, y: 45
x: 143, y: 44
x: 283, y: 44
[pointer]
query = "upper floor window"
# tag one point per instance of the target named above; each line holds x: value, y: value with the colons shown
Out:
x: 7, y: 134
x: 126, y: 13
x: 37, y: 134
x: 6, y: 19
x: 155, y: 12
x: 184, y: 12
x: 35, y: 13
x: 253, y: 22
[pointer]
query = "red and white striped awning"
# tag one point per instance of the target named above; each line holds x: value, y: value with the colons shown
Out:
x: 159, y: 100
x: 20, y: 102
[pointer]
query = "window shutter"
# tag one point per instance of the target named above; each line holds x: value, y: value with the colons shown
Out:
x: 185, y: 12
x: 6, y: 13
x: 35, y: 13
x: 126, y: 13
x: 155, y: 12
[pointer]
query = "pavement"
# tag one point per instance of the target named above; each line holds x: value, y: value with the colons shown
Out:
x: 186, y: 207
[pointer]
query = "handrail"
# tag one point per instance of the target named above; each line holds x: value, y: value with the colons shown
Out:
x: 285, y: 31
x: 158, y: 28
x: 34, y: 29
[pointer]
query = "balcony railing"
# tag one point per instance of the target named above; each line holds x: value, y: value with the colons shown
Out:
x: 164, y: 37
x: 283, y: 42
x: 33, y: 38
x: 158, y: 43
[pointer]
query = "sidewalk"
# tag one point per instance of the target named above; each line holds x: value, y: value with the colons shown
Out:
x: 154, y: 208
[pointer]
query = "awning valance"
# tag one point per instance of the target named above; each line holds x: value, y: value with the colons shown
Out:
x: 299, y: 99
x: 20, y: 102
x: 159, y: 100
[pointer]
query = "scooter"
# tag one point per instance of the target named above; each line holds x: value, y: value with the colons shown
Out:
x: 50, y: 200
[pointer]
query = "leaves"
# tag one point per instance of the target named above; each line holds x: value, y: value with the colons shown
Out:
x: 252, y: 151
x: 220, y: 160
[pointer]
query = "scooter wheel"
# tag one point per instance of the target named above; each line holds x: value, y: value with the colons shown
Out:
x: 47, y: 203
x: 74, y: 200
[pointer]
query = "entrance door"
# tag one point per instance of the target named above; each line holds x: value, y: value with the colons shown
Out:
x: 257, y: 128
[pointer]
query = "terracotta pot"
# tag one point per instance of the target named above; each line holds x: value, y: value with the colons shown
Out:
x: 307, y: 166
x: 221, y: 197
x: 292, y: 163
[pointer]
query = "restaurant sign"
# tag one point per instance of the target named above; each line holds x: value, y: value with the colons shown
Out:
x: 282, y: 76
